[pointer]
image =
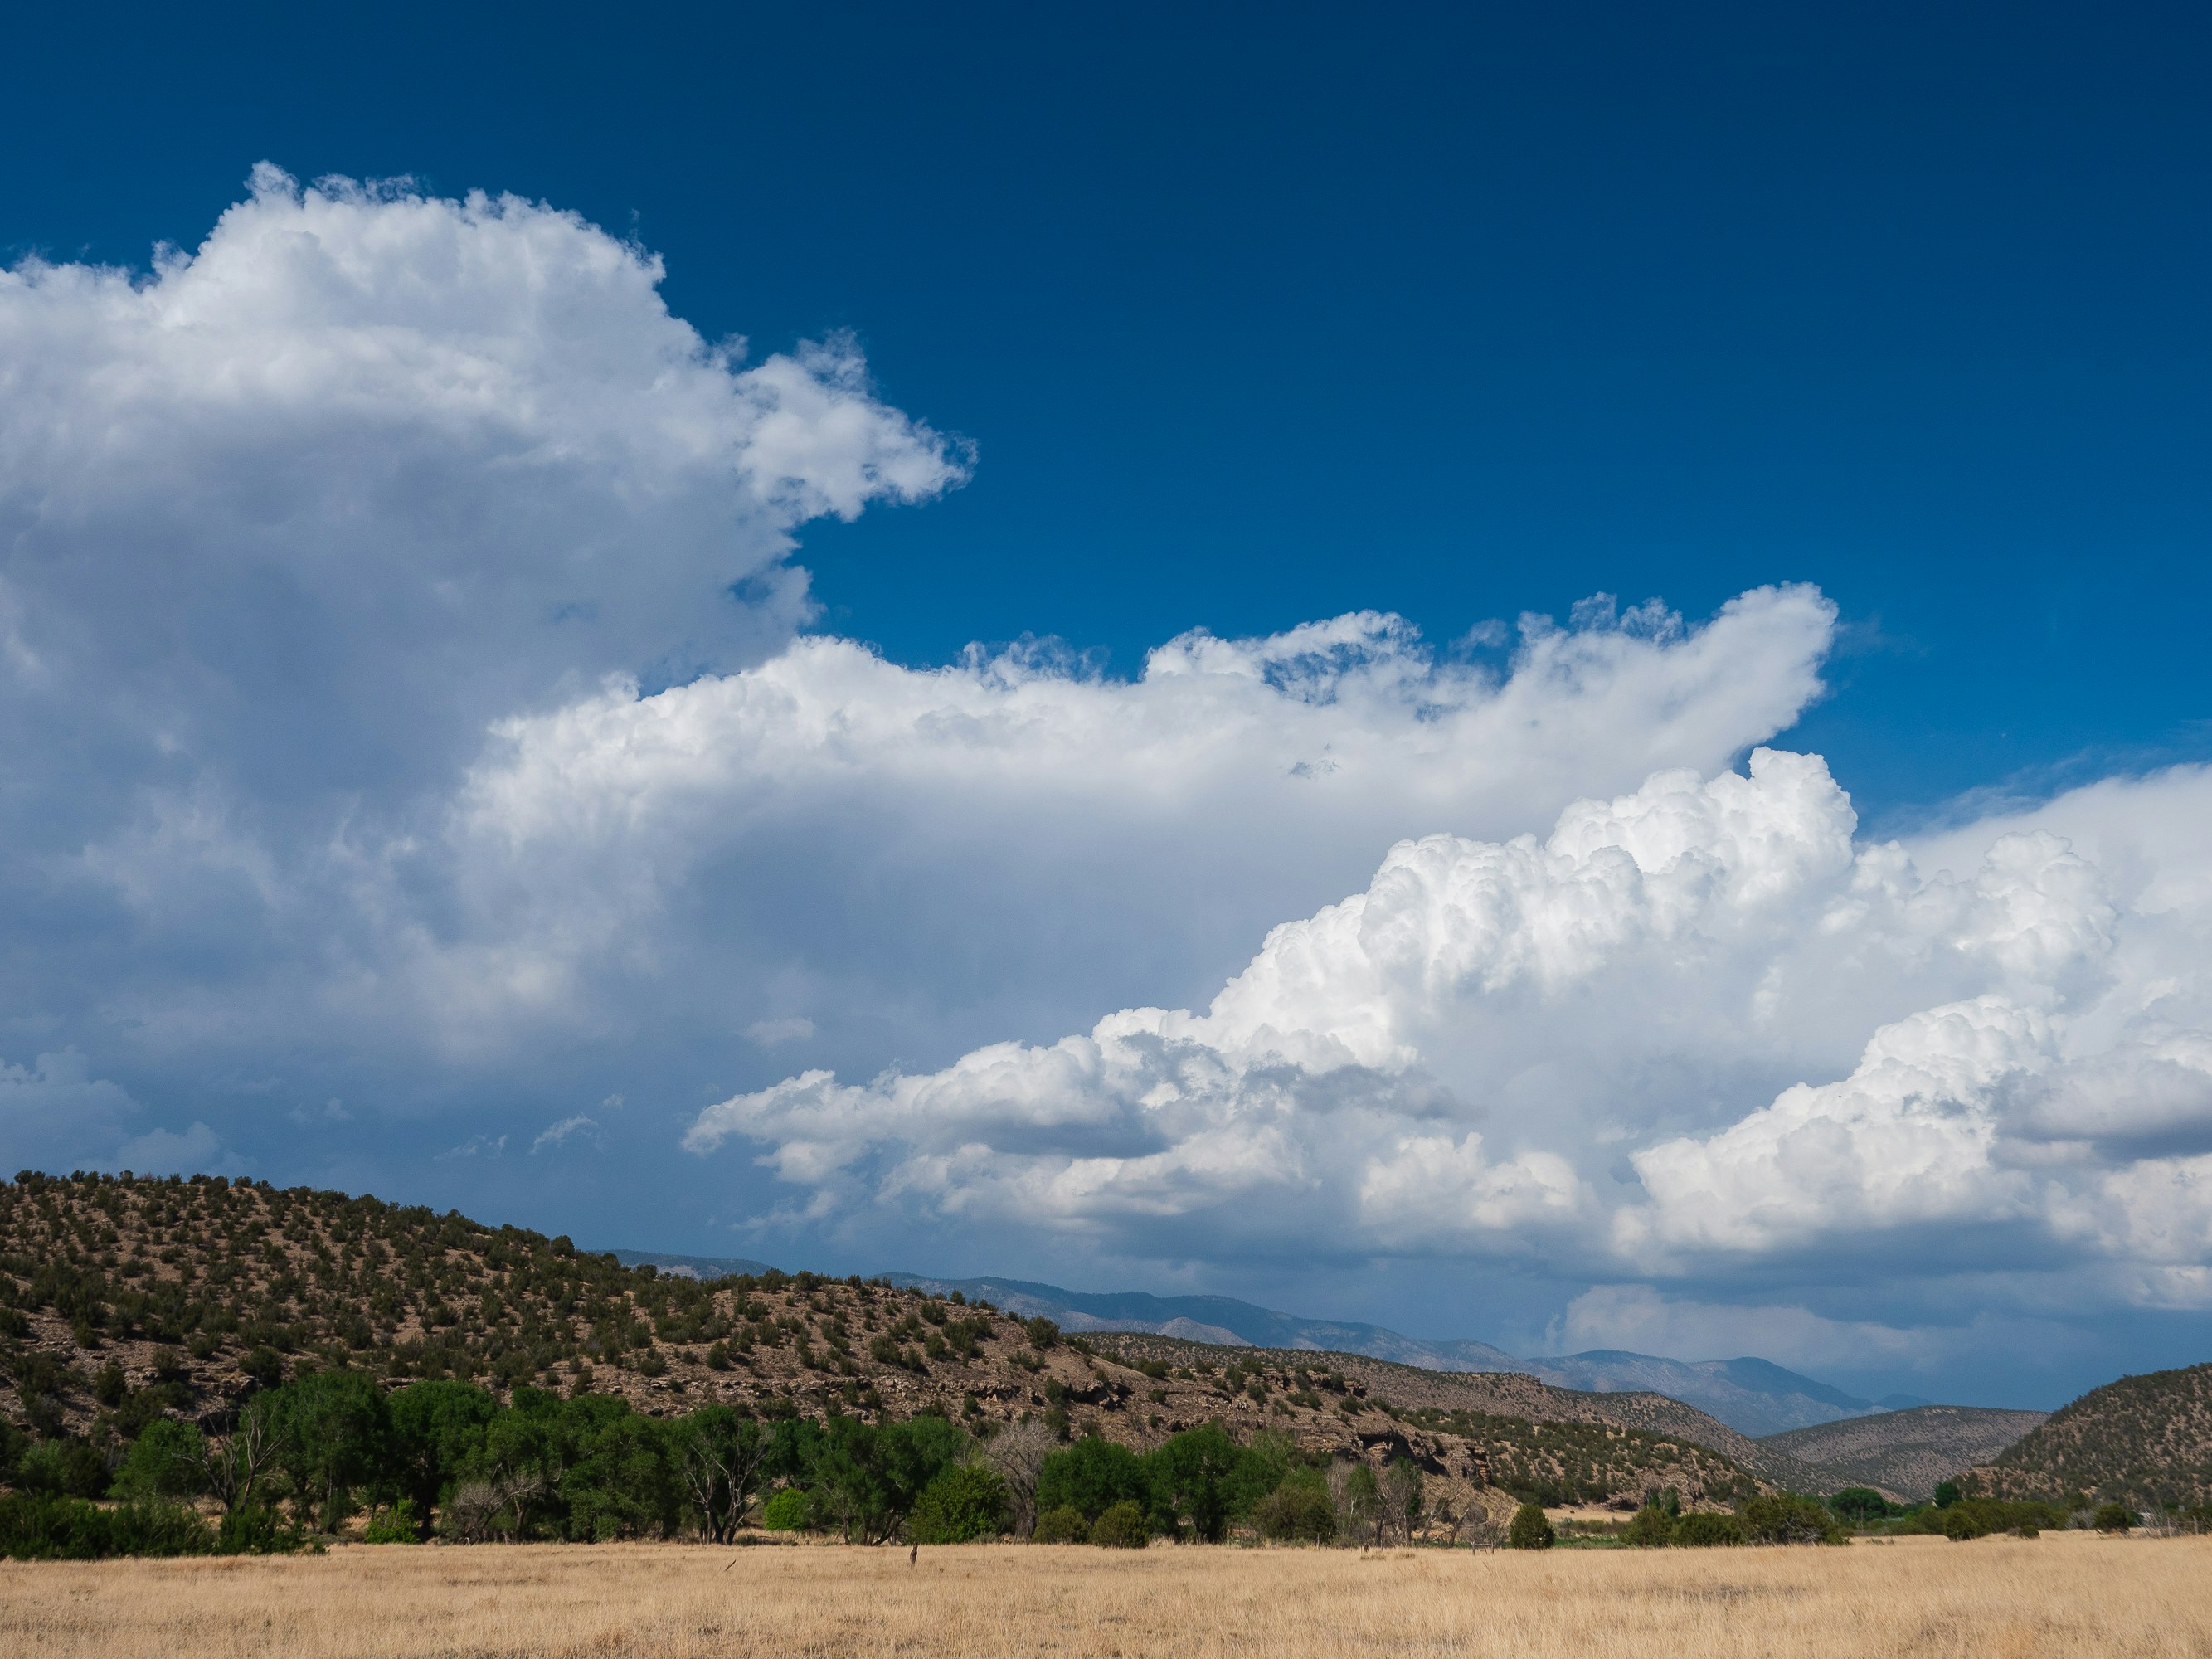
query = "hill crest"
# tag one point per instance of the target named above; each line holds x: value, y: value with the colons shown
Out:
x: 128, y: 1299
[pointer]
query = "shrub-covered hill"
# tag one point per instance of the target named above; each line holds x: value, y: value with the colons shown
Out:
x: 1902, y: 1455
x: 1420, y: 1396
x: 123, y: 1300
x: 2144, y: 1441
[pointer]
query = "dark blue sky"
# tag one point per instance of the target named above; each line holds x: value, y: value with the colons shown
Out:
x: 1256, y: 315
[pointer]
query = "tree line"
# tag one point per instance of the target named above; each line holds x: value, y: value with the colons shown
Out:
x: 442, y: 1458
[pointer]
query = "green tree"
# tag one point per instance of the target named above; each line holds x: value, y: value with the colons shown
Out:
x: 335, y: 1430
x: 1190, y: 1482
x: 1531, y: 1530
x: 1261, y: 1466
x: 2113, y: 1517
x: 63, y: 1469
x: 789, y: 1511
x: 618, y: 1478
x: 1858, y: 1506
x: 964, y: 1504
x: 1947, y: 1494
x: 1358, y: 1497
x: 167, y: 1459
x: 1092, y: 1476
x: 872, y: 1474
x: 437, y: 1436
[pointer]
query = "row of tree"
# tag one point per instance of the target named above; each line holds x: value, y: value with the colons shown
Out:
x: 447, y: 1458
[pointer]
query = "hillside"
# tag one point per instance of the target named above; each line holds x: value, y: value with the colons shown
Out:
x: 1223, y: 1319
x: 1430, y: 1398
x: 1752, y: 1397
x: 123, y: 1300
x: 2144, y: 1441
x: 1756, y: 1397
x: 1904, y: 1453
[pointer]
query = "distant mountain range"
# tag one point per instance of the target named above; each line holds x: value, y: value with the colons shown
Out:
x: 1752, y: 1397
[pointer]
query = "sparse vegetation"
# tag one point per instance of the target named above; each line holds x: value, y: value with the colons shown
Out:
x: 1903, y: 1453
x: 2144, y: 1442
x: 301, y: 1363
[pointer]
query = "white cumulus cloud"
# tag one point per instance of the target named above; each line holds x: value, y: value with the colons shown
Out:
x: 1699, y: 1028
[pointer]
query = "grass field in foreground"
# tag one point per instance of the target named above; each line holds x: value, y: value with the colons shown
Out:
x: 2071, y: 1593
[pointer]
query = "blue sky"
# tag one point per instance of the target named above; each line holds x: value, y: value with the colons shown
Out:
x: 1232, y: 321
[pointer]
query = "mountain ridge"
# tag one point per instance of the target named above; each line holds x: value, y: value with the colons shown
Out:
x: 1754, y: 1397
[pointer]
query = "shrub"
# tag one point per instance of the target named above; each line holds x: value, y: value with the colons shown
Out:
x: 1704, y: 1529
x: 63, y: 1469
x: 1961, y: 1524
x: 1298, y: 1511
x: 1043, y: 1332
x: 1977, y: 1517
x: 265, y: 1365
x: 967, y: 1502
x: 396, y: 1525
x: 251, y: 1529
x: 1531, y: 1530
x: 789, y: 1511
x: 1784, y: 1518
x: 1651, y: 1527
x: 1857, y: 1506
x: 1065, y: 1525
x: 39, y: 1526
x: 158, y: 1529
x: 1121, y: 1527
x: 2113, y: 1517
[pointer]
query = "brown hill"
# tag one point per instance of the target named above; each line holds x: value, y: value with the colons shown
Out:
x: 1904, y: 1453
x: 2144, y: 1441
x: 1418, y: 1394
x: 124, y: 1298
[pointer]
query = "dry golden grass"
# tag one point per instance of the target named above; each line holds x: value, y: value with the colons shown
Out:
x: 2071, y: 1593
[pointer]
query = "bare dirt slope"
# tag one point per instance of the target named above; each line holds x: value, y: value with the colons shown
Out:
x: 1904, y: 1453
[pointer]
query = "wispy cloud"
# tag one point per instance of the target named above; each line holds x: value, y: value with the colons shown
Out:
x: 554, y: 1133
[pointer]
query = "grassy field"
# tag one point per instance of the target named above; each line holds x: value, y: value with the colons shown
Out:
x: 2072, y: 1594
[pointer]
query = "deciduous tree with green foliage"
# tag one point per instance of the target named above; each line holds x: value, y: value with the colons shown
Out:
x: 964, y: 1503
x: 1093, y: 1475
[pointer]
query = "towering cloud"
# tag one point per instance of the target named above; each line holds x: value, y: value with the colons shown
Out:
x: 1578, y: 1042
x: 287, y: 521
